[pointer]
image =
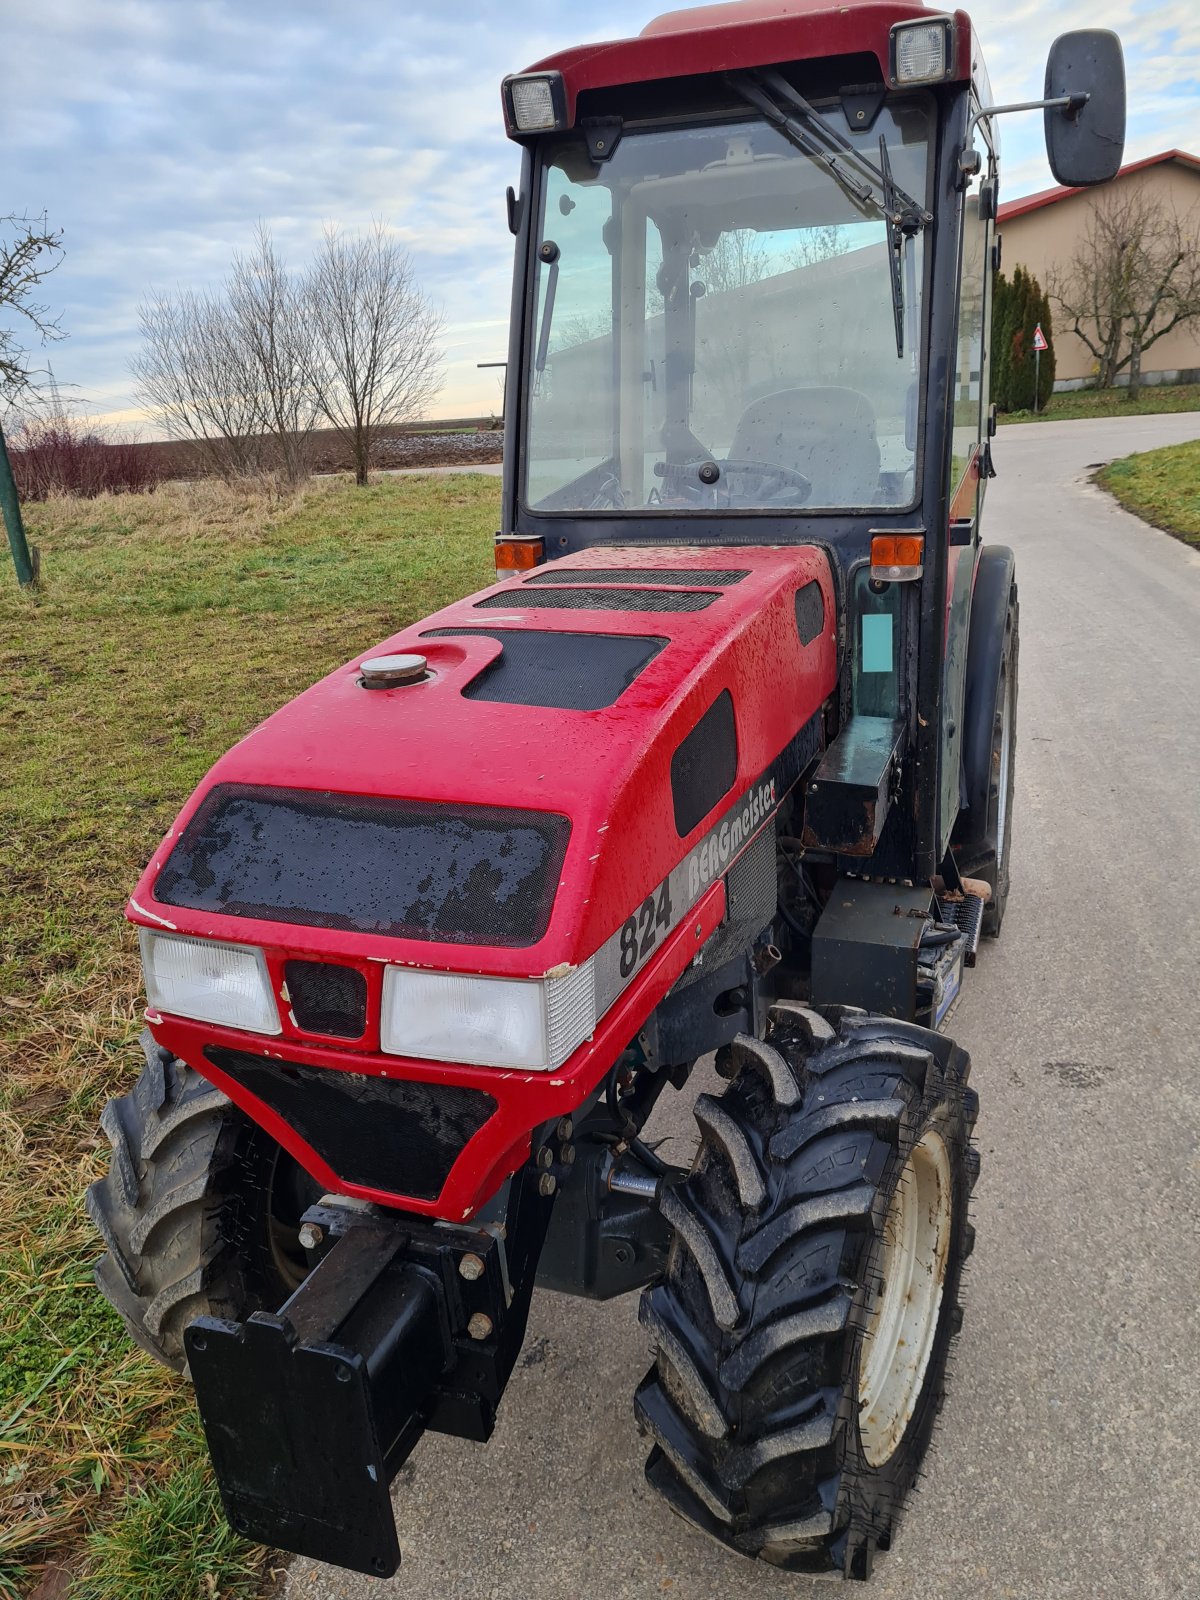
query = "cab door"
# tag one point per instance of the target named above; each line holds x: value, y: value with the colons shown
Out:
x: 968, y: 467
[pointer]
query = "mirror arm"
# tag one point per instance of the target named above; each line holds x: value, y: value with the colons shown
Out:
x: 969, y: 161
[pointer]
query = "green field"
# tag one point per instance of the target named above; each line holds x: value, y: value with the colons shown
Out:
x: 1076, y: 404
x: 166, y: 625
x: 1162, y: 487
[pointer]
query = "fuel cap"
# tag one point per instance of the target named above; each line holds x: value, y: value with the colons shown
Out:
x: 389, y: 672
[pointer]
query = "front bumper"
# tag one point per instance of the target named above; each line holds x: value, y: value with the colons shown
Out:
x: 487, y: 1150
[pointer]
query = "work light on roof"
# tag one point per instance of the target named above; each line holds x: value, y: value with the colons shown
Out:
x: 536, y: 103
x: 922, y: 52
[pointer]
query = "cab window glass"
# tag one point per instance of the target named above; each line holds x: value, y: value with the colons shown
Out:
x: 968, y: 377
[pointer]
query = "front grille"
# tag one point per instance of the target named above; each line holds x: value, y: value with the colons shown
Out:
x: 327, y: 998
x: 679, y: 577
x: 383, y: 1133
x: 598, y: 600
x: 455, y: 873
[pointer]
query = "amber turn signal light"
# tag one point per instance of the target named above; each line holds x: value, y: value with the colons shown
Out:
x: 518, y: 555
x: 897, y: 557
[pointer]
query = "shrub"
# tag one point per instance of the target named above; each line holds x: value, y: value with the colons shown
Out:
x: 58, y: 454
x: 1018, y: 305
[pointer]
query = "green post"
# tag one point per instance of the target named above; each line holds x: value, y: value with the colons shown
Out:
x: 23, y: 558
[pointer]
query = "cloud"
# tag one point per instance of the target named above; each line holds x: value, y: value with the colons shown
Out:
x: 157, y: 134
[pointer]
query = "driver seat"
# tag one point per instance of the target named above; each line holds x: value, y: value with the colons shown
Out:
x: 828, y: 434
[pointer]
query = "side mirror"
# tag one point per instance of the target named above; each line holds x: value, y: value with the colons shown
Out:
x: 1085, y: 143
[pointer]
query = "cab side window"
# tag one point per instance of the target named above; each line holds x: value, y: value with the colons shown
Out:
x: 969, y: 389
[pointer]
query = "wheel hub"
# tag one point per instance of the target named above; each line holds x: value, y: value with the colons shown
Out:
x: 902, y: 1324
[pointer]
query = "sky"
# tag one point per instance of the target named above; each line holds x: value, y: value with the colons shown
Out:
x: 157, y: 133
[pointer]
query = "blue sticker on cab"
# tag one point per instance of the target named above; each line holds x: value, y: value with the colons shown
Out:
x: 877, y: 642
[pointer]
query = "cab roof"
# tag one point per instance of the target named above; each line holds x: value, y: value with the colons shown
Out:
x: 745, y: 34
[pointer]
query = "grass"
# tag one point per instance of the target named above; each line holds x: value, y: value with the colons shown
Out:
x: 1160, y: 486
x: 165, y: 627
x: 1075, y: 404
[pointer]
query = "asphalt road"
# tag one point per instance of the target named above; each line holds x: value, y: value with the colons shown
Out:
x: 1066, y: 1463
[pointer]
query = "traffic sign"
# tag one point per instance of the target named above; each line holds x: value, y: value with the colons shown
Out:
x: 1039, y: 339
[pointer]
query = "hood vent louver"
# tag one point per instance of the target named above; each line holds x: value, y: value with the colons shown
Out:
x: 598, y: 599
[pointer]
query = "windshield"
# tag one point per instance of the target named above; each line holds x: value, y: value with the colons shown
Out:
x: 715, y: 325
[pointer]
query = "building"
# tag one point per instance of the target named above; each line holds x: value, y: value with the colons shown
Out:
x: 1040, y: 233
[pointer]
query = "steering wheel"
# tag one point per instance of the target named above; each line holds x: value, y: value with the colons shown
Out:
x: 708, y: 482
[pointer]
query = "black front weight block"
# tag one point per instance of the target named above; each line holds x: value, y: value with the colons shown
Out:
x: 310, y: 1412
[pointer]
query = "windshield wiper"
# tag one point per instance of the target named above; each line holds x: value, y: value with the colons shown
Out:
x: 804, y: 136
x: 803, y: 126
x: 902, y: 223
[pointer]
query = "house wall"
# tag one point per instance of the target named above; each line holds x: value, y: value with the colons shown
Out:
x: 1044, y: 238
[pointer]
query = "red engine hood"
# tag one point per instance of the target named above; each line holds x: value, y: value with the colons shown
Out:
x: 608, y: 770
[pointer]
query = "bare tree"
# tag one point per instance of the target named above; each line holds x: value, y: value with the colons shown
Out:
x: 1134, y: 276
x: 193, y: 375
x: 231, y: 370
x: 378, y: 357
x: 271, y: 328
x: 30, y: 250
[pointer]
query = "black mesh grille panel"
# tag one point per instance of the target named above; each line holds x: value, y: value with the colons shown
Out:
x: 705, y: 764
x: 460, y: 874
x: 810, y: 612
x: 598, y: 600
x: 327, y: 998
x: 570, y: 671
x: 383, y: 1133
x: 751, y: 896
x: 679, y: 577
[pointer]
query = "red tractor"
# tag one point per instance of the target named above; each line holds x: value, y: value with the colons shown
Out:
x: 722, y: 764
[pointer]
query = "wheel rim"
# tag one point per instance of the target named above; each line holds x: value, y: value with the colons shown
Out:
x: 903, y: 1321
x: 1005, y: 760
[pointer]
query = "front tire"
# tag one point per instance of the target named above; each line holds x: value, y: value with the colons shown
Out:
x: 812, y: 1288
x: 199, y: 1210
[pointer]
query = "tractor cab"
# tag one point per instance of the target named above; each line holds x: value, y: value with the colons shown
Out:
x: 752, y: 306
x: 722, y: 325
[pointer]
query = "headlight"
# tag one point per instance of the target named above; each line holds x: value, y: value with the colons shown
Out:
x: 487, y: 1022
x: 536, y: 103
x: 209, y: 981
x: 923, y: 52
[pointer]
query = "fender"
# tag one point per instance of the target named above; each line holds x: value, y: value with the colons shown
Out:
x: 985, y: 650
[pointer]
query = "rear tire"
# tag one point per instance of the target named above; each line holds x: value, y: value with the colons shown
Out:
x: 1003, y: 773
x: 777, y: 1427
x: 199, y: 1210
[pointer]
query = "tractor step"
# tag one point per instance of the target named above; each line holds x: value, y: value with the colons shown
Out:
x: 966, y: 914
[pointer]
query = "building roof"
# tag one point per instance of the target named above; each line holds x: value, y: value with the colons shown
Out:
x: 1048, y: 197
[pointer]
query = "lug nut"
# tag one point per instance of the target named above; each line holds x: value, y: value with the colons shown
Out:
x: 566, y: 1127
x: 310, y: 1236
x: 547, y: 1184
x: 545, y: 1158
x: 470, y: 1267
x: 480, y: 1326
x: 568, y: 1156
